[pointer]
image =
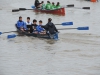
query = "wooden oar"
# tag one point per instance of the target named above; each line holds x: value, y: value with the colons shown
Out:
x: 33, y: 7
x: 10, y: 32
x: 7, y: 32
x: 88, y: 8
x: 78, y: 28
x: 70, y: 5
x: 65, y: 23
x: 16, y: 10
x: 13, y: 36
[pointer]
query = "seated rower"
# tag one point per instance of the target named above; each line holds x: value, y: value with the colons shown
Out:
x: 28, y: 21
x: 48, y: 6
x: 53, y: 6
x: 42, y: 5
x: 58, y: 5
x: 28, y: 24
x: 37, y: 4
x: 51, y: 29
x: 40, y: 29
x: 34, y: 25
x: 21, y: 24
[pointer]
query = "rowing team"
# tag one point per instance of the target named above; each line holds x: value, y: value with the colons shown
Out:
x: 37, y: 29
x: 48, y: 6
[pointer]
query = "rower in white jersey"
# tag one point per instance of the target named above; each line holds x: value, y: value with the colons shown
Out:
x: 29, y: 24
x: 28, y: 21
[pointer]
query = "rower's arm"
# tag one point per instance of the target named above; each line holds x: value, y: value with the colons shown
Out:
x: 55, y: 28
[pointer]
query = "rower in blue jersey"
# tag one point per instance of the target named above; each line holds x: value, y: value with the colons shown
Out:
x: 40, y: 29
x: 21, y: 24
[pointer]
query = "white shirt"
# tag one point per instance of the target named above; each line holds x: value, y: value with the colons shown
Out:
x: 28, y: 23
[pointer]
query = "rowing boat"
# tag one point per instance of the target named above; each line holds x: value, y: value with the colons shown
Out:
x: 60, y: 11
x: 33, y: 34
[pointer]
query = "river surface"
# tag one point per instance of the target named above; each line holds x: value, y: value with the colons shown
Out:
x: 75, y: 53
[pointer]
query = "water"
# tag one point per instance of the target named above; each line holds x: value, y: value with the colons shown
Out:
x: 76, y: 52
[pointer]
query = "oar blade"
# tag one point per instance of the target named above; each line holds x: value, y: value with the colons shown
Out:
x: 11, y: 36
x: 86, y: 8
x: 83, y: 28
x: 15, y: 10
x: 67, y: 23
x: 70, y: 5
x: 0, y: 33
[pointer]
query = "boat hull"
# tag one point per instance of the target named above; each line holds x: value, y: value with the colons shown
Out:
x: 32, y: 34
x: 60, y: 11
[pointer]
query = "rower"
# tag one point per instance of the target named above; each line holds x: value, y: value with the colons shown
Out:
x: 28, y: 24
x: 40, y: 29
x: 48, y: 5
x: 21, y: 24
x: 53, y: 6
x: 42, y: 5
x: 37, y: 4
x: 28, y: 21
x: 34, y: 25
x: 58, y: 5
x: 51, y: 29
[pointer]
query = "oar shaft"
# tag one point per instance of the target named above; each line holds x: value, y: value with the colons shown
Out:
x: 79, y: 28
x: 67, y: 28
x: 25, y: 9
x: 9, y: 32
x: 82, y: 7
x: 58, y: 24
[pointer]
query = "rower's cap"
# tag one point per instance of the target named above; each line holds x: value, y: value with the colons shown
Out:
x: 49, y: 19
